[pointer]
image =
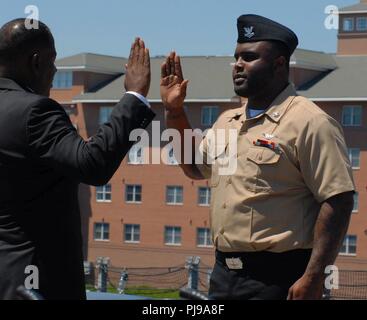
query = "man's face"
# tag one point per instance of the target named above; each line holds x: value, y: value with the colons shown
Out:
x: 253, y: 71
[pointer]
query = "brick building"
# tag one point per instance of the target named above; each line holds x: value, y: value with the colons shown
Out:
x: 151, y: 214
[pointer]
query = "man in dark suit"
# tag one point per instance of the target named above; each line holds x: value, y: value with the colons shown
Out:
x: 43, y: 160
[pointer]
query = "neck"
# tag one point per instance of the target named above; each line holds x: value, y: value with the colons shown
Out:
x: 264, y: 100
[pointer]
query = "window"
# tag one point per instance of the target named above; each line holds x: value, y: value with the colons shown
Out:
x: 136, y: 155
x: 133, y: 193
x: 348, y: 24
x: 349, y: 246
x: 104, y: 193
x: 171, y: 160
x: 203, y: 237
x: 362, y: 24
x: 209, y: 115
x: 355, y: 206
x: 132, y: 233
x: 352, y: 116
x: 354, y: 156
x: 63, y: 80
x: 101, y: 231
x: 174, y: 195
x: 172, y: 235
x: 104, y: 114
x: 204, y: 196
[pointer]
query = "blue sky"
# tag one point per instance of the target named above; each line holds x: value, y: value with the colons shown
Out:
x: 191, y: 27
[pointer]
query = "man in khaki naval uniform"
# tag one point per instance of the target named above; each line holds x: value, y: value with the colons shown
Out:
x: 278, y: 219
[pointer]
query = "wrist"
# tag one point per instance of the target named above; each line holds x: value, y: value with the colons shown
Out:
x: 175, y: 113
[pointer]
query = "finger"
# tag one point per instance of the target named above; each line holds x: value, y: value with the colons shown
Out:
x: 147, y: 58
x: 168, y: 67
x: 132, y: 51
x: 141, y: 58
x: 136, y: 50
x: 178, y: 69
x: 290, y: 294
x: 164, y: 81
x: 172, y: 62
x: 163, y: 70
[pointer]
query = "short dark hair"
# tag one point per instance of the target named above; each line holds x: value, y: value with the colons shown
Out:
x: 16, y: 39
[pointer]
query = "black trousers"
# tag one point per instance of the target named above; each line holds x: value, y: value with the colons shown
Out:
x: 264, y: 276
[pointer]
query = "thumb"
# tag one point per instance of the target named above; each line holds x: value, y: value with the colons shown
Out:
x: 184, y: 87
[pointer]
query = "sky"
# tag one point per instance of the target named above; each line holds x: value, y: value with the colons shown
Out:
x: 191, y: 27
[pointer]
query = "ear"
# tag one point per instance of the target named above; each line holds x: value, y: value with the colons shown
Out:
x: 280, y: 63
x: 35, y: 63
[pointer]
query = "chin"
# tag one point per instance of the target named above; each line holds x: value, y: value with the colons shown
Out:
x: 241, y: 91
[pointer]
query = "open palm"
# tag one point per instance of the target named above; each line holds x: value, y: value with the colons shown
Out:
x: 173, y: 86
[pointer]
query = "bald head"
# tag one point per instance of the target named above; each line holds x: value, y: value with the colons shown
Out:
x: 27, y: 56
x: 16, y: 40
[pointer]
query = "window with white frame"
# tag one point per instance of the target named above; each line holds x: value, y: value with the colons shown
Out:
x: 209, y: 115
x: 136, y: 155
x: 171, y: 160
x: 133, y: 193
x: 348, y: 24
x: 204, y: 196
x: 361, y: 24
x: 63, y: 80
x: 356, y: 204
x: 172, y: 235
x: 101, y: 231
x: 174, y: 195
x: 104, y: 193
x: 349, y: 246
x: 354, y: 157
x: 352, y: 116
x: 104, y: 114
x: 203, y: 237
x: 132, y: 233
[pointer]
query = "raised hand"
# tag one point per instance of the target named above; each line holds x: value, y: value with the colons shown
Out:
x: 173, y: 86
x: 137, y: 76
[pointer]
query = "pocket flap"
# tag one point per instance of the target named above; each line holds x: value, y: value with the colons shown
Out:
x: 262, y: 155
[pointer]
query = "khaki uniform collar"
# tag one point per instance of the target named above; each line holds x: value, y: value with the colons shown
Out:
x: 276, y: 110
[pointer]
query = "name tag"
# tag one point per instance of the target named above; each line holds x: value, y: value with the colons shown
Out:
x: 234, y: 263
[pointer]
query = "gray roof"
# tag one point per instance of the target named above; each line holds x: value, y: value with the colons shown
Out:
x: 93, y: 62
x: 313, y: 60
x: 210, y: 79
x: 347, y: 81
x: 360, y: 7
x: 342, y: 77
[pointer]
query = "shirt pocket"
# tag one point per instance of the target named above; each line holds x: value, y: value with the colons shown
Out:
x: 262, y: 169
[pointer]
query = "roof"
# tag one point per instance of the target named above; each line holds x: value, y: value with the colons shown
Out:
x: 341, y: 77
x: 93, y: 63
x: 315, y: 60
x: 210, y: 79
x: 346, y: 82
x: 360, y: 7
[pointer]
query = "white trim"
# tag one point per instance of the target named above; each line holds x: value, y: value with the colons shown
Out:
x: 205, y: 246
x: 348, y: 254
x: 364, y: 99
x: 89, y: 69
x: 352, y: 12
x: 156, y: 100
x: 173, y: 244
x: 309, y: 66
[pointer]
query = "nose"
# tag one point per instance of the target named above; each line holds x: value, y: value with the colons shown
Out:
x: 239, y: 64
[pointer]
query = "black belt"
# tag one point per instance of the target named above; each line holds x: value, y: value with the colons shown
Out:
x: 234, y: 260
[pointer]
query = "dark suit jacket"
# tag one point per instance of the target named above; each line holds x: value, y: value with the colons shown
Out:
x: 42, y: 162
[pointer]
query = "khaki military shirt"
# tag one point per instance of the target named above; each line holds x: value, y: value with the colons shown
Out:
x: 271, y: 200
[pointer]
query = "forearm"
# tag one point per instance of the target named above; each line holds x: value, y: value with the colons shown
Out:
x: 177, y: 119
x: 330, y: 229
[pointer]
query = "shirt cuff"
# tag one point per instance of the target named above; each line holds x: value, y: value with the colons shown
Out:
x: 140, y: 97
